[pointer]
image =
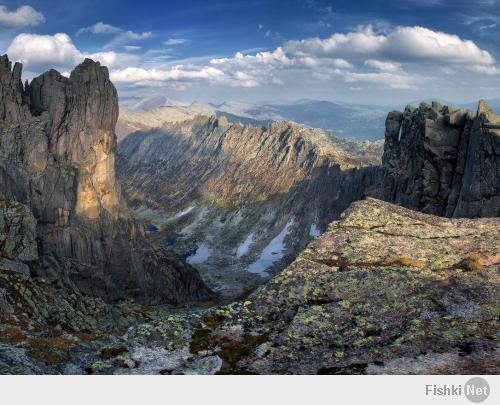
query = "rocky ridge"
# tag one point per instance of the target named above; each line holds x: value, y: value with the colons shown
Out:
x: 238, y: 190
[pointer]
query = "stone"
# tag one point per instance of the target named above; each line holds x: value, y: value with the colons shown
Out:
x: 5, y: 302
x: 11, y: 266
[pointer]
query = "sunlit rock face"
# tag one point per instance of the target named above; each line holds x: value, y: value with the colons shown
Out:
x: 57, y: 156
x: 443, y: 161
x: 81, y: 113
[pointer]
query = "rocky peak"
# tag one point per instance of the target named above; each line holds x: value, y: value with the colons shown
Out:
x: 59, y: 160
x: 443, y: 161
x: 12, y: 106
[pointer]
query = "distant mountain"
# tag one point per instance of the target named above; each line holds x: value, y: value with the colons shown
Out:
x: 360, y: 122
x: 150, y: 103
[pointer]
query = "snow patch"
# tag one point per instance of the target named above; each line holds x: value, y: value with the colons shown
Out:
x: 183, y: 212
x: 245, y: 246
x: 314, y: 231
x: 271, y: 253
x: 201, y: 255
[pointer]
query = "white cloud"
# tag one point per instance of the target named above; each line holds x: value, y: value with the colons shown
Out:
x: 488, y: 70
x: 318, y: 62
x: 404, y: 58
x: 24, y: 16
x: 140, y: 76
x: 385, y: 79
x: 131, y: 48
x: 39, y: 52
x: 277, y: 56
x: 121, y: 37
x: 42, y: 50
x: 175, y: 41
x: 99, y: 28
x: 125, y: 37
x: 113, y: 60
x: 403, y: 44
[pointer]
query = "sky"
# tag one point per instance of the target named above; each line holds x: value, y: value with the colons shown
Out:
x: 258, y: 51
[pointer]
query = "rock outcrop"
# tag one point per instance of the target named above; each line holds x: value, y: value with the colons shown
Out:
x: 385, y: 290
x: 443, y: 161
x: 234, y: 189
x: 57, y: 159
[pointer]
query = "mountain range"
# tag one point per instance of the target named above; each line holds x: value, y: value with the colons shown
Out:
x: 356, y: 122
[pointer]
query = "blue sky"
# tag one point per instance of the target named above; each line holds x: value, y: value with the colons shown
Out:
x: 371, y: 52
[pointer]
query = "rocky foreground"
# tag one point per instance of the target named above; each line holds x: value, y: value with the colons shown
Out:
x: 385, y: 290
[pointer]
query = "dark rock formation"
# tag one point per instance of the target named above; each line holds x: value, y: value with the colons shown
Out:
x: 385, y: 290
x: 443, y: 161
x: 57, y: 157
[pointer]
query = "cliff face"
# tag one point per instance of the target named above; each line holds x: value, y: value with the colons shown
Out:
x: 443, y: 161
x: 57, y: 157
x: 252, y: 197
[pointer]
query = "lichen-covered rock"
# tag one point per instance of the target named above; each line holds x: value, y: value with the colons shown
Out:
x: 57, y: 157
x: 443, y: 161
x: 384, y: 290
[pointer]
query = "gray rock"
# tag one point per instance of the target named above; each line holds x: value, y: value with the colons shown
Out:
x: 11, y: 266
x: 442, y: 161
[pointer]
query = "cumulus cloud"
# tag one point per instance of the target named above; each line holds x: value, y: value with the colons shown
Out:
x: 39, y: 52
x: 24, y: 16
x: 140, y: 76
x: 404, y: 58
x: 403, y: 44
x: 362, y: 56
